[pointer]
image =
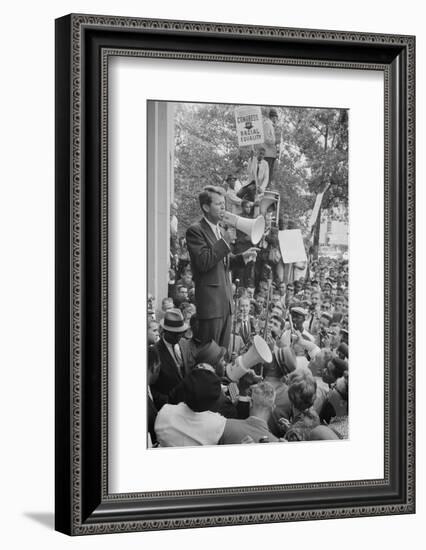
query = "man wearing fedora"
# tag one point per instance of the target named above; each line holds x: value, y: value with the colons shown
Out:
x: 211, y: 261
x: 173, y: 368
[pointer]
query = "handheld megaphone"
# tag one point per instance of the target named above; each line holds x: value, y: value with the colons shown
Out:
x: 259, y: 352
x: 254, y: 228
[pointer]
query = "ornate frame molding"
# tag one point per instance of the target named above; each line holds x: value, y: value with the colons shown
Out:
x: 86, y: 507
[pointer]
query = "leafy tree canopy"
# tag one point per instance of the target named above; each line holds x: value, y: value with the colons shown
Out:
x: 313, y: 152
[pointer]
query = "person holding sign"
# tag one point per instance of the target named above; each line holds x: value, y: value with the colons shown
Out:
x: 271, y: 140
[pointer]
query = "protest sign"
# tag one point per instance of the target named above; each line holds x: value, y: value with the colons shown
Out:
x: 291, y: 246
x: 249, y: 124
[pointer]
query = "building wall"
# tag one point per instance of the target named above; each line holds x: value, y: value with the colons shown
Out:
x: 160, y: 189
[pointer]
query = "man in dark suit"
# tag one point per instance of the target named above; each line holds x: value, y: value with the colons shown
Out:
x: 209, y: 251
x: 246, y: 324
x: 167, y: 387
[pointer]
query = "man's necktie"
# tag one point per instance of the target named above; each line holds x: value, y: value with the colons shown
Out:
x: 219, y: 236
x: 178, y: 357
x: 245, y: 331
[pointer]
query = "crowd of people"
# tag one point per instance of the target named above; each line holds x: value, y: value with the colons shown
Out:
x: 301, y: 394
x: 245, y: 348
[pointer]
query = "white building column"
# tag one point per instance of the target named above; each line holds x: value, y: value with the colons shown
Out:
x: 160, y: 193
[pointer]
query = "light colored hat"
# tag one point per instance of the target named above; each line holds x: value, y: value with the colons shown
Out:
x: 173, y: 321
x: 285, y: 359
x: 298, y: 310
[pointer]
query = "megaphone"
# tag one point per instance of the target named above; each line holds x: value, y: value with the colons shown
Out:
x: 269, y: 198
x: 254, y: 228
x: 259, y: 352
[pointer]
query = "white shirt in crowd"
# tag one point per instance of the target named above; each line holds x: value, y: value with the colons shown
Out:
x: 233, y: 202
x: 258, y: 171
x: 178, y: 426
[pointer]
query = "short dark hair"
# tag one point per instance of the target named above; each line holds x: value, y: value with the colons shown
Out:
x: 279, y: 319
x: 302, y: 389
x: 205, y: 197
x: 339, y: 367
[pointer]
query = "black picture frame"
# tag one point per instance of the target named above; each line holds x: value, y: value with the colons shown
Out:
x: 83, y: 44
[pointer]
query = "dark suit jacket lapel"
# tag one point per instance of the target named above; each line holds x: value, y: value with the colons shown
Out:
x: 173, y: 359
x: 208, y: 231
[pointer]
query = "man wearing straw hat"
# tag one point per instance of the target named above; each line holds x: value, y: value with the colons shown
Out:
x: 211, y: 260
x: 173, y: 368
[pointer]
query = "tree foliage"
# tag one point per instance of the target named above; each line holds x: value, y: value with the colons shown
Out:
x: 313, y: 152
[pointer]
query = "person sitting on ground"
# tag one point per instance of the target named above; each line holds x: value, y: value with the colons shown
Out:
x: 301, y: 429
x: 302, y: 389
x: 194, y: 421
x: 336, y: 404
x: 256, y: 425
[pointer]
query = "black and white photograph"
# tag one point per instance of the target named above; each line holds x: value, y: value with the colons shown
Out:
x: 248, y: 265
x: 204, y: 205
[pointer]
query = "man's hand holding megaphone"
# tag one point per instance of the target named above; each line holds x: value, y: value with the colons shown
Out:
x: 250, y: 255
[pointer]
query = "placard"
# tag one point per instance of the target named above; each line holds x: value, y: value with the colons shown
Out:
x: 291, y: 246
x: 249, y: 124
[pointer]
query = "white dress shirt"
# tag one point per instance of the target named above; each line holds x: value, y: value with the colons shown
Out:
x: 180, y: 426
x: 216, y: 231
